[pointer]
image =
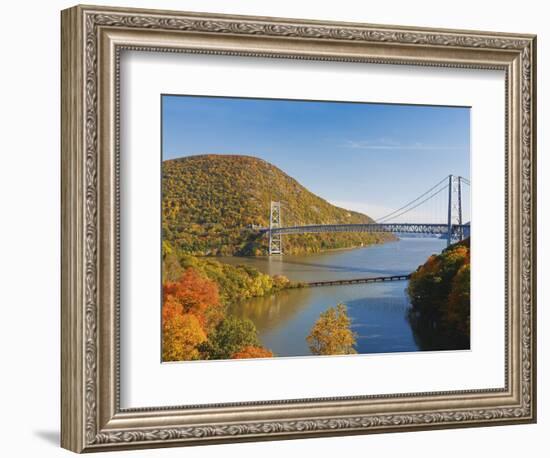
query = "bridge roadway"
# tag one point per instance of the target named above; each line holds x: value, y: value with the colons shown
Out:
x: 412, y: 228
x: 354, y: 281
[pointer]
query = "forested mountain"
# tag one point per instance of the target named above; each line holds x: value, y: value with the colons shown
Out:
x: 211, y: 203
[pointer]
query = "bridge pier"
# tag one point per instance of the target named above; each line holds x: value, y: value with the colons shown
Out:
x: 275, y: 238
x: 454, y: 213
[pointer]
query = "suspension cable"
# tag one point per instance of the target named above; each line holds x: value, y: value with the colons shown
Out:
x: 444, y: 188
x: 412, y: 201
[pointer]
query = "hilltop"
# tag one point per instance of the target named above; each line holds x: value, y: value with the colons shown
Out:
x: 212, y: 202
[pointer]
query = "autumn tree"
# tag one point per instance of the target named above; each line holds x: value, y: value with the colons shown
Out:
x: 331, y: 334
x: 203, y: 288
x: 439, y: 291
x: 195, y: 294
x: 191, y: 306
x: 235, y: 282
x: 182, y: 334
x: 252, y: 352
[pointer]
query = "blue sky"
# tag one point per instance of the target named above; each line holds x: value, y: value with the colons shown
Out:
x: 371, y: 158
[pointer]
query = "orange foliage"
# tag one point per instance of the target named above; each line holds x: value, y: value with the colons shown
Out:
x: 191, y: 314
x: 194, y: 294
x: 191, y: 306
x: 252, y: 352
x: 170, y: 309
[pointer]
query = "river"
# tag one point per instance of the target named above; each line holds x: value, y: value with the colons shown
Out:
x: 378, y: 310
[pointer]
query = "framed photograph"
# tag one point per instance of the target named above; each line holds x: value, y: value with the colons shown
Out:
x: 277, y: 228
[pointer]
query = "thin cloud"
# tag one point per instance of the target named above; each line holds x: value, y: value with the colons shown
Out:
x: 392, y: 145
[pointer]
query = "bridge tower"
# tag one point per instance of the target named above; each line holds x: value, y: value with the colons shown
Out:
x: 454, y: 215
x: 275, y: 240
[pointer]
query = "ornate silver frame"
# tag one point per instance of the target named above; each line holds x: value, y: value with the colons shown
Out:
x: 92, y: 39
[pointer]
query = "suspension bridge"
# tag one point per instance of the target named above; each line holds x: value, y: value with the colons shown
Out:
x: 448, y: 221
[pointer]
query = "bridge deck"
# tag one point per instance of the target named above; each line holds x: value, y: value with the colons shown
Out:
x: 412, y: 228
x: 359, y: 280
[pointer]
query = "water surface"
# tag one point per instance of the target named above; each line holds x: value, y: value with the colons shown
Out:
x: 378, y: 310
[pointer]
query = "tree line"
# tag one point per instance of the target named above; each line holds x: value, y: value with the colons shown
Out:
x: 196, y: 325
x: 439, y: 292
x: 196, y: 293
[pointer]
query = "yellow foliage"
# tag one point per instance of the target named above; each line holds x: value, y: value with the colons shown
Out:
x: 331, y: 334
x: 212, y: 202
x: 182, y: 333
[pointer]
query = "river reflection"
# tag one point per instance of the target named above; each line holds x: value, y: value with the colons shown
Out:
x: 378, y: 310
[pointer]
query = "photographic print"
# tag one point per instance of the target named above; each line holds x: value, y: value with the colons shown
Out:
x: 289, y: 201
x: 308, y: 228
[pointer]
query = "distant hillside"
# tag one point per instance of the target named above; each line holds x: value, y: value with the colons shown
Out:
x: 210, y: 203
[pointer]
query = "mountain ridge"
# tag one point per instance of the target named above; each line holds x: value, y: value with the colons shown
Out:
x: 211, y: 202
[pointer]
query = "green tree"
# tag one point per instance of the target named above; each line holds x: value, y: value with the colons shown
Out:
x: 458, y: 311
x: 235, y: 283
x: 230, y: 337
x: 331, y: 334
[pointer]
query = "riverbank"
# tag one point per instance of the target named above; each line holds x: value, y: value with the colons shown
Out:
x: 378, y: 311
x: 197, y: 294
x: 440, y: 297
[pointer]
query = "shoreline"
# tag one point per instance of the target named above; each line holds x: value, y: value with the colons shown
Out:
x: 328, y: 250
x: 266, y: 256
